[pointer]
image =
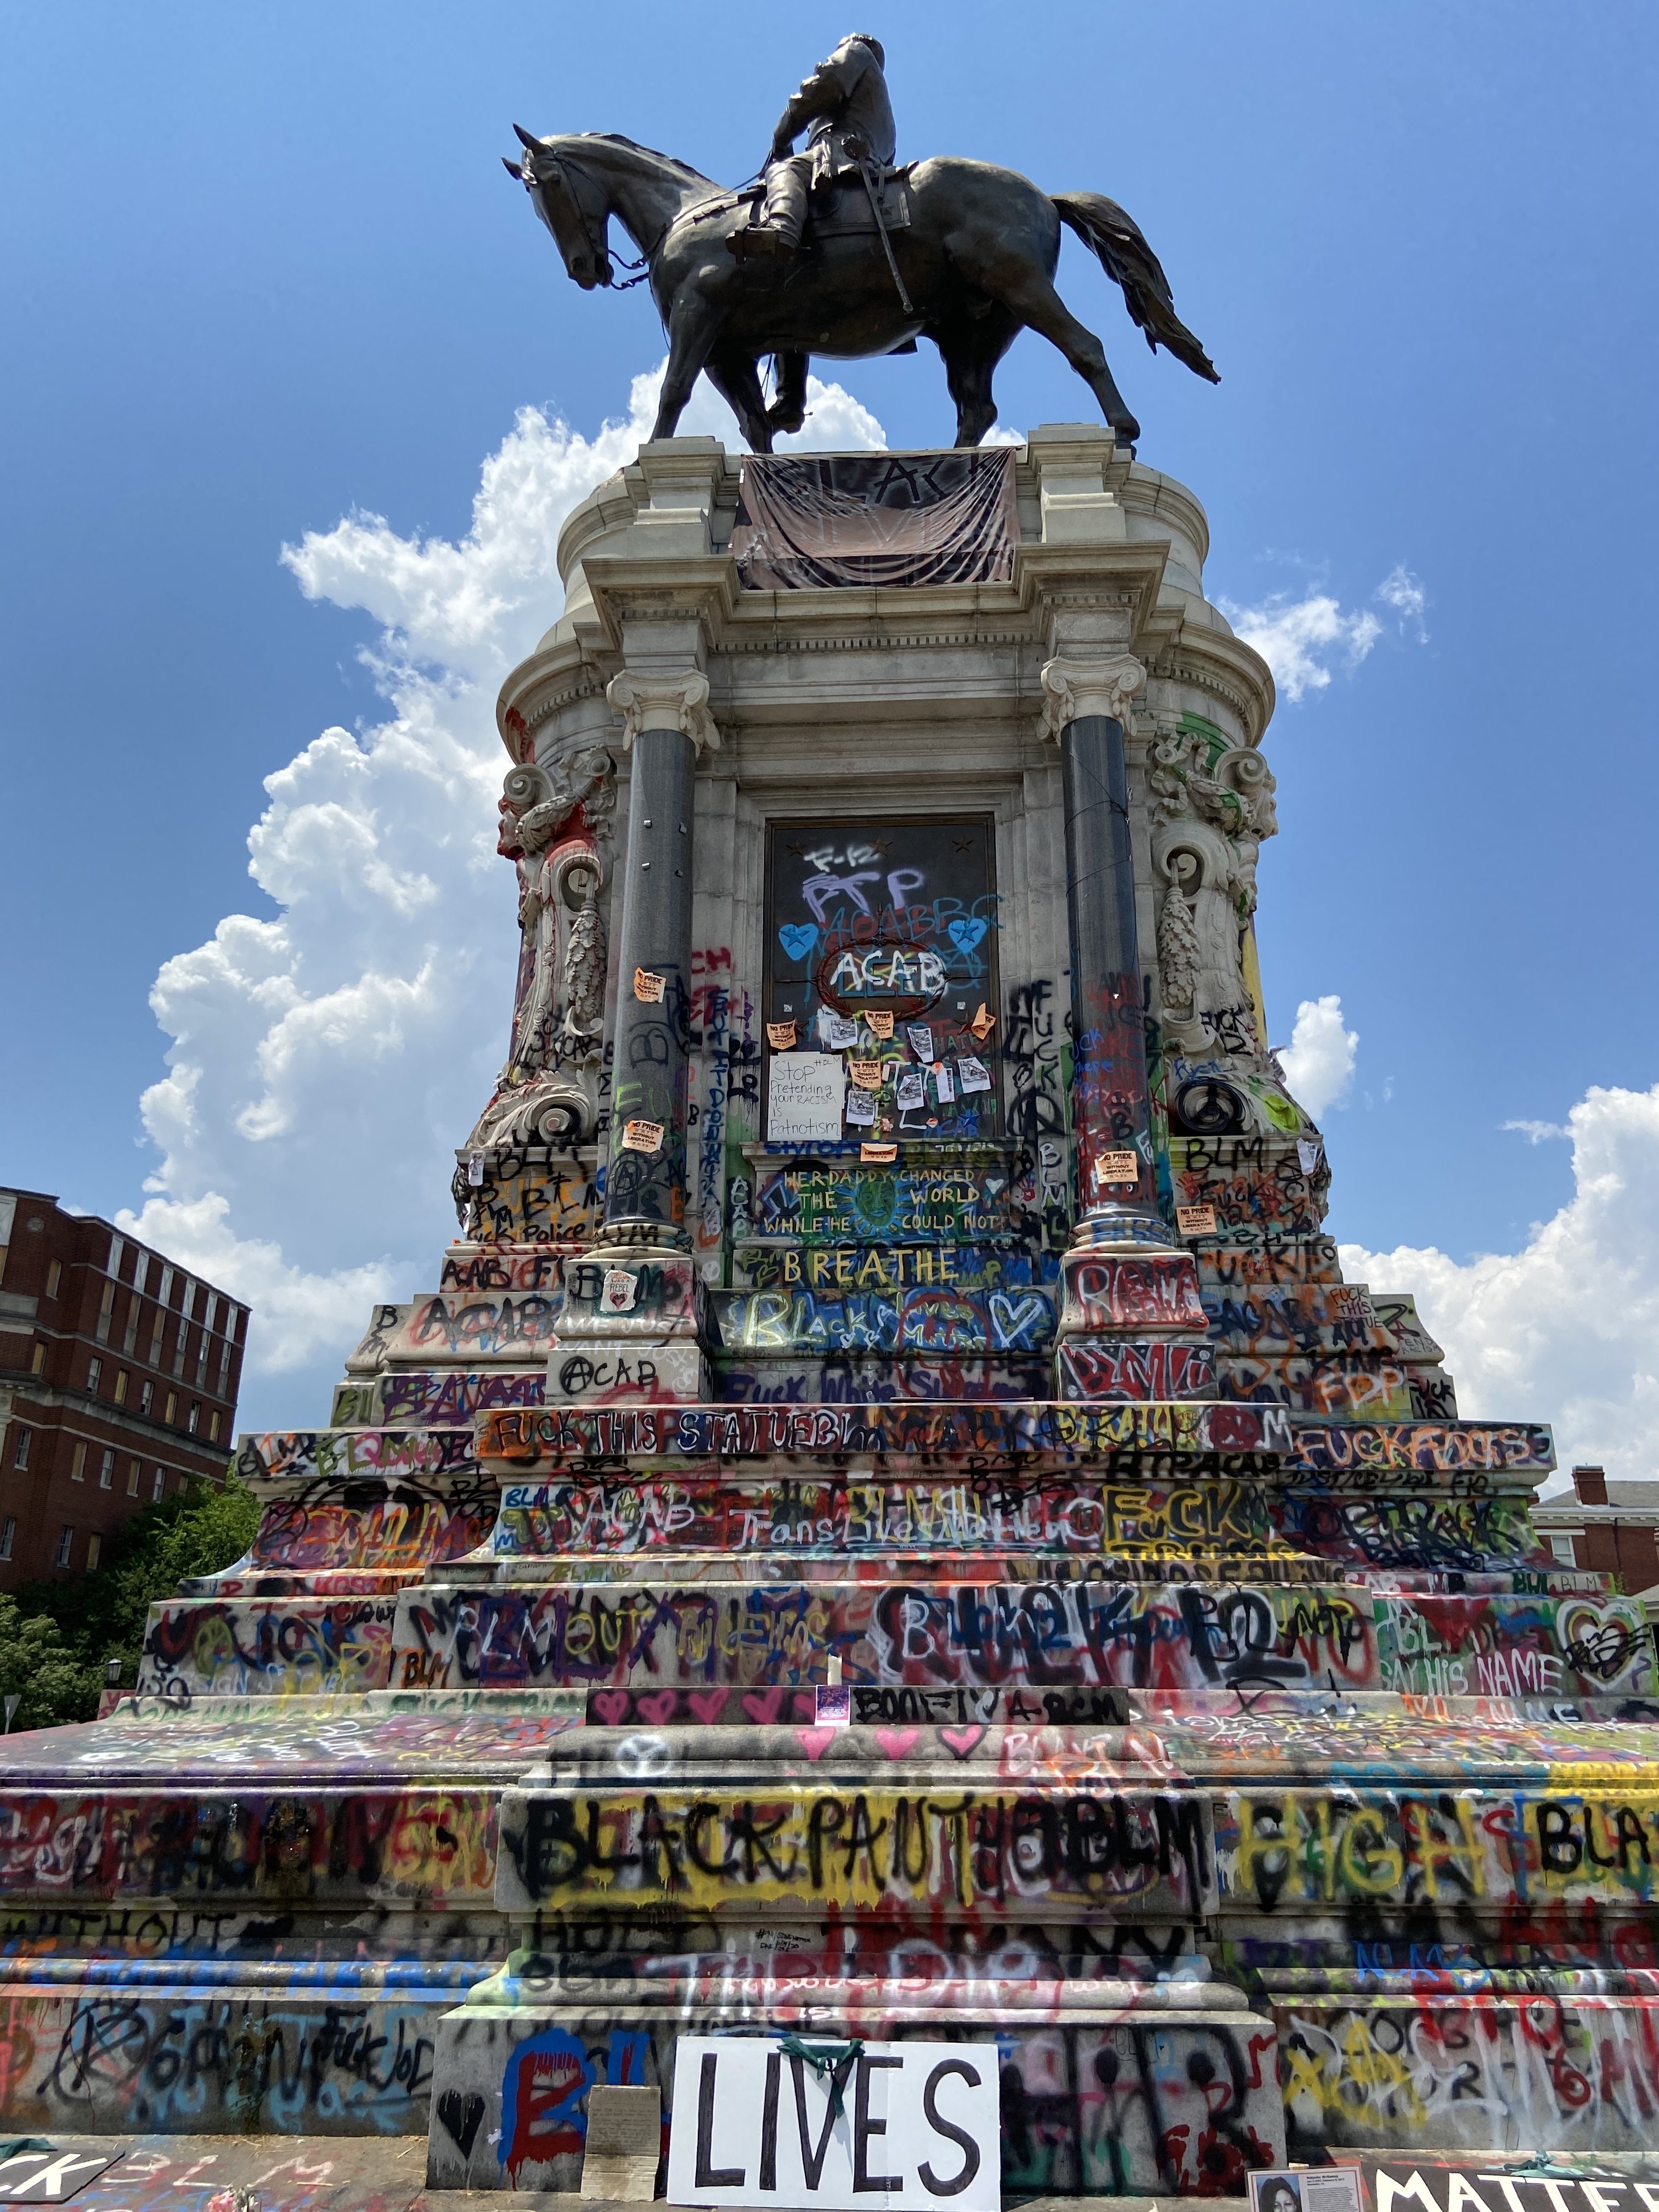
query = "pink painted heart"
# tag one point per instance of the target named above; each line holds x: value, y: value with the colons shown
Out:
x: 816, y: 1742
x: 706, y: 1705
x: 611, y: 1706
x: 897, y: 1741
x: 961, y: 1741
x: 658, y: 1707
x: 762, y: 1705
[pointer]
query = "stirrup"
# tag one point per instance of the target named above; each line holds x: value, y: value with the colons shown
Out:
x: 759, y: 241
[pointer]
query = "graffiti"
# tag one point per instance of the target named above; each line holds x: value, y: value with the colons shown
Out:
x: 443, y: 1399
x: 1487, y: 1445
x: 1339, y: 1387
x: 385, y: 1845
x: 490, y: 1267
x: 961, y: 1199
x: 281, y: 1647
x: 924, y: 1319
x: 1154, y: 1370
x: 864, y: 1849
x: 1067, y: 1433
x: 1273, y: 1321
x: 1519, y: 1647
x: 855, y: 1379
x: 1160, y: 1291
x: 530, y: 1195
x: 1454, y: 1847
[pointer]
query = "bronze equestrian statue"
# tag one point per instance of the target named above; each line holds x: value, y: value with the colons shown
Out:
x: 836, y: 251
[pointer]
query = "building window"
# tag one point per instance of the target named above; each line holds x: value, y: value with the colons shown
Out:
x: 94, y: 1546
x: 164, y: 1288
x: 158, y: 1487
x: 141, y: 1271
x: 106, y: 1308
x: 133, y: 1473
x: 94, y: 1373
x: 120, y: 1386
x: 128, y: 1342
x: 78, y: 1464
x: 65, y: 1545
x: 107, y: 1472
x: 1563, y: 1549
x: 155, y: 1336
x: 224, y: 1369
x: 195, y: 1420
x: 20, y: 1458
x: 179, y: 1345
x: 38, y: 1363
x: 116, y: 1248
x: 213, y: 1428
x: 8, y: 1537
x: 147, y: 1397
x: 210, y: 1320
x: 172, y: 1413
x: 54, y: 1276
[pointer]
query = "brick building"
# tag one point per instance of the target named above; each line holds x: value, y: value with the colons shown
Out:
x: 1608, y: 1525
x: 118, y: 1374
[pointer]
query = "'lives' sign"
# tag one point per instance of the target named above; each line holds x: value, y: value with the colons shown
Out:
x: 799, y: 2122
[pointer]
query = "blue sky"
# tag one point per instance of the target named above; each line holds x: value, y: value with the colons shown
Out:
x: 264, y: 269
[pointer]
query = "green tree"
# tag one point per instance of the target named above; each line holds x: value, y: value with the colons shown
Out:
x: 58, y: 1634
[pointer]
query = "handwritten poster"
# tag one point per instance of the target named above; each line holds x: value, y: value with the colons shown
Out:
x: 804, y: 1097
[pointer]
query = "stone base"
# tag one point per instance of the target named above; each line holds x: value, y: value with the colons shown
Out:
x: 631, y: 1371
x: 1141, y: 1368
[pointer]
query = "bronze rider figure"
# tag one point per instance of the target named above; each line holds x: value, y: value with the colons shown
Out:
x: 847, y: 117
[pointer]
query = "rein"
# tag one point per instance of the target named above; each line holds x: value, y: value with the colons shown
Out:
x: 600, y: 248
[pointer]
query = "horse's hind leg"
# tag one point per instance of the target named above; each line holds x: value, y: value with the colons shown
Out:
x: 971, y: 347
x: 736, y: 379
x: 1031, y: 297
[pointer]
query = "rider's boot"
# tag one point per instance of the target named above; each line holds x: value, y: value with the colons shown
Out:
x: 775, y: 239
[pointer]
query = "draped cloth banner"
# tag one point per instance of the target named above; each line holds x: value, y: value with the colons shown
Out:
x: 822, y: 520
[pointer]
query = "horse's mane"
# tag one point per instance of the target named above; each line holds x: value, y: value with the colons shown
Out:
x: 668, y: 160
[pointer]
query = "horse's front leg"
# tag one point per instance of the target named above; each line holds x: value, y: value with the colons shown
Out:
x: 694, y: 324
x: 737, y: 380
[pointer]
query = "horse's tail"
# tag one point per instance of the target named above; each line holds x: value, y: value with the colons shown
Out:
x: 1116, y: 242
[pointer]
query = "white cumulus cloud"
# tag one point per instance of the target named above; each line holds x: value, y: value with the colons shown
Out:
x: 1319, y: 1060
x: 1566, y: 1329
x: 1302, y: 641
x: 324, y: 1060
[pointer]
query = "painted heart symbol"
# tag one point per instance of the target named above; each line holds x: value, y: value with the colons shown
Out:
x: 763, y: 1706
x: 461, y: 2116
x: 961, y: 1741
x: 966, y: 932
x: 897, y: 1741
x: 798, y: 938
x: 709, y: 1706
x: 611, y: 1706
x: 815, y: 1741
x: 658, y: 1707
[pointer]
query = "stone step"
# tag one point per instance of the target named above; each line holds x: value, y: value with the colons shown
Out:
x: 1135, y: 2099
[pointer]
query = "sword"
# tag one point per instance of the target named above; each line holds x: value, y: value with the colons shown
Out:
x: 886, y: 242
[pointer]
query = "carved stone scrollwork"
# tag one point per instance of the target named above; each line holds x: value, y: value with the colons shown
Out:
x: 1075, y: 689
x: 555, y: 828
x: 679, y: 700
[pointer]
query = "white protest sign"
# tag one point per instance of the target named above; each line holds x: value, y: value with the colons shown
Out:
x: 804, y: 1097
x: 919, y: 2125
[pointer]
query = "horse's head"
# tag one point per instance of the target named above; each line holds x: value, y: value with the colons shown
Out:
x: 570, y: 202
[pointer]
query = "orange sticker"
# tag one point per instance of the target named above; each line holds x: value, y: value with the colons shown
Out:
x: 642, y: 1137
x: 647, y: 987
x: 1195, y: 1220
x: 984, y: 1023
x: 1114, y: 1168
x: 865, y: 1074
x: 879, y: 1155
x: 881, y: 1025
x: 781, y: 1036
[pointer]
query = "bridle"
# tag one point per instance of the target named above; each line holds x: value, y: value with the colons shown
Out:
x: 600, y: 248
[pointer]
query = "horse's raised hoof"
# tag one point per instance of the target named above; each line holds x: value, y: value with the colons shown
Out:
x: 780, y: 419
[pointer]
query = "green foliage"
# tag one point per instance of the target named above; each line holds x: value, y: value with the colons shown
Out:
x: 56, y: 1636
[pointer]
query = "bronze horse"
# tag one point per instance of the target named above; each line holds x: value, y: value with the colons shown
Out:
x: 973, y: 265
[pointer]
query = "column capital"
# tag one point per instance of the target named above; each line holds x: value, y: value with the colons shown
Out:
x: 1073, y: 691
x: 678, y: 700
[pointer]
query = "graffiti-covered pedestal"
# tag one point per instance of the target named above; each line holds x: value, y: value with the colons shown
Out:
x: 890, y: 1520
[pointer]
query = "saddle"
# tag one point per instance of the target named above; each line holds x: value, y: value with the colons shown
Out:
x: 839, y: 209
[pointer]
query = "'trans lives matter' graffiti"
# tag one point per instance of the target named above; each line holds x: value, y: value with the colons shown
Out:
x: 881, y: 956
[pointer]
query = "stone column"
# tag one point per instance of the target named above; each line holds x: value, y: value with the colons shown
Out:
x: 629, y: 1334
x: 1131, y: 1324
